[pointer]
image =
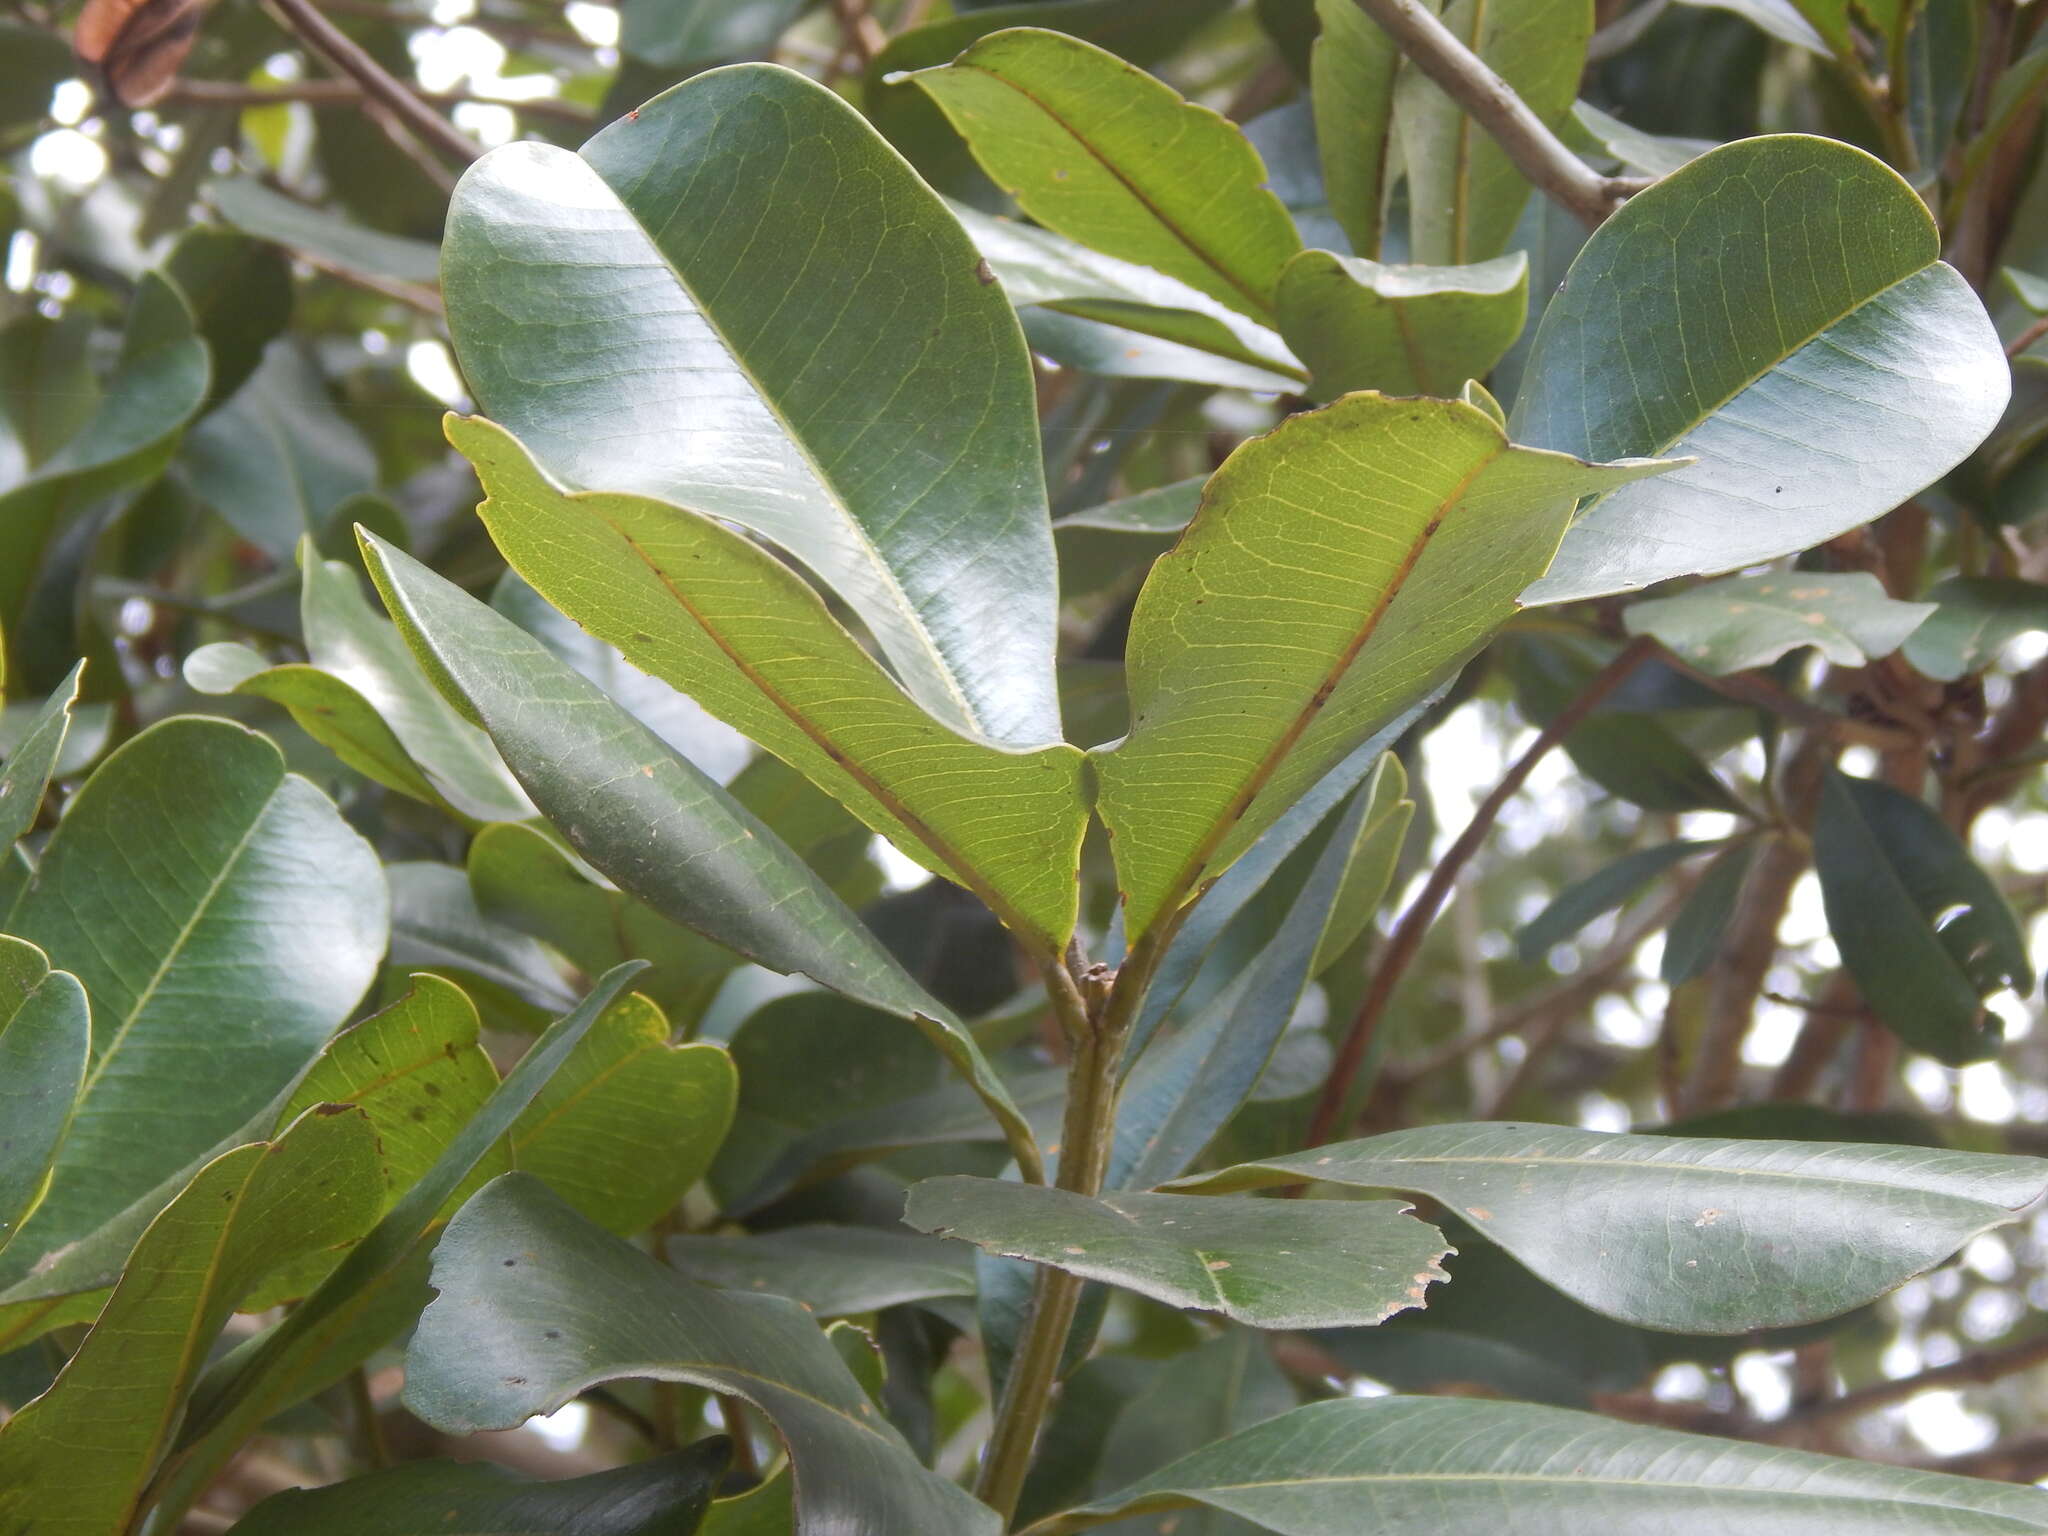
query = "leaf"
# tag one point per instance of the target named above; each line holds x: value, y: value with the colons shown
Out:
x: 1694, y: 1235
x: 1400, y: 330
x: 262, y: 923
x: 894, y: 452
x: 240, y: 293
x: 1103, y: 153
x: 1165, y: 509
x: 640, y: 812
x: 1750, y: 621
x: 1515, y: 1469
x: 435, y: 926
x: 1923, y: 931
x: 1039, y: 267
x: 1361, y: 593
x: 665, y: 1496
x: 1267, y: 1263
x: 1816, y: 357
x: 352, y: 1313
x: 1647, y: 154
x: 1780, y: 19
x: 1975, y: 618
x: 34, y: 761
x: 278, y: 459
x: 829, y: 1271
x: 1694, y: 938
x: 1604, y: 890
x: 629, y: 1122
x: 689, y: 35
x: 536, y: 1305
x: 78, y: 1458
x: 1351, y: 89
x: 257, y: 210
x: 1132, y: 346
x: 45, y: 1035
x: 752, y: 644
x: 1464, y: 194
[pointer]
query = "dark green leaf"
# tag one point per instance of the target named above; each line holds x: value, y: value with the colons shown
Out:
x: 34, y: 760
x: 535, y: 1304
x: 1921, y: 928
x: 1400, y: 330
x: 1268, y: 1263
x: 830, y: 1271
x: 1351, y: 86
x: 1694, y: 938
x: 1691, y: 1235
x: 1750, y: 621
x: 1602, y: 891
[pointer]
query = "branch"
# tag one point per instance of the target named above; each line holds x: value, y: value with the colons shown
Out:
x: 1971, y: 1370
x: 1492, y: 103
x: 1406, y: 938
x: 863, y: 34
x: 231, y: 93
x: 340, y: 50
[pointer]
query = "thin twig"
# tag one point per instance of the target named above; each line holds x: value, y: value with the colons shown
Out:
x: 863, y: 34
x: 1406, y: 939
x: 1491, y: 102
x: 415, y: 295
x: 345, y: 54
x: 2027, y: 338
x: 232, y: 93
x: 1748, y: 688
x: 1971, y: 1370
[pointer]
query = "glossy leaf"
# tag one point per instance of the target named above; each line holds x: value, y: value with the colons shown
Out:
x: 1268, y: 1263
x: 1923, y: 930
x: 1464, y: 194
x: 1602, y: 891
x: 1975, y: 618
x: 535, y: 1304
x: 1459, y: 1465
x: 1400, y: 330
x: 266, y: 922
x: 1691, y: 1235
x: 629, y: 1122
x: 1816, y: 357
x: 78, y: 1458
x: 650, y: 820
x: 829, y: 1271
x: 1749, y: 621
x: 45, y: 1035
x: 1370, y: 547
x: 33, y: 762
x: 753, y: 645
x: 1105, y: 154
x: 864, y: 401
x: 1351, y: 90
x: 667, y: 1496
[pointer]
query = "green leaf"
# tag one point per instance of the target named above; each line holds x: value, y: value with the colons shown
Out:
x: 651, y: 821
x: 1105, y: 154
x: 240, y: 292
x: 435, y: 926
x: 689, y: 35
x: 1363, y: 594
x: 1464, y: 194
x: 829, y: 1271
x: 1602, y: 891
x: 1268, y: 1263
x: 751, y: 643
x: 1694, y: 938
x: 894, y: 452
x: 34, y: 760
x: 45, y: 1035
x: 1816, y: 357
x: 111, y: 1413
x: 256, y: 210
x: 1389, y: 814
x: 1643, y: 761
x: 1694, y: 1235
x: 224, y: 920
x: 1456, y: 1464
x: 1780, y: 19
x: 278, y: 459
x: 1140, y: 344
x: 1351, y: 89
x: 1164, y: 509
x: 536, y: 1305
x: 1975, y: 618
x: 1750, y: 621
x: 1647, y: 154
x: 2030, y: 290
x: 666, y: 1496
x: 1923, y: 931
x: 629, y: 1122
x: 1400, y: 330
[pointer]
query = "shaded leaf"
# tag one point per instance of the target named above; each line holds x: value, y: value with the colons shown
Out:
x: 1268, y: 1263
x: 1462, y: 1465
x: 1693, y: 1235
x: 1351, y: 89
x: 268, y: 215
x: 1816, y: 357
x: 1975, y: 618
x: 45, y: 1035
x: 921, y: 503
x: 1647, y: 154
x: 240, y: 291
x: 666, y: 1496
x: 535, y: 1304
x: 1352, y: 628
x: 1602, y: 891
x: 34, y: 760
x: 829, y: 1271
x: 1694, y: 937
x: 1400, y: 330
x: 435, y: 926
x: 1165, y: 509
x: 1749, y: 621
x: 1923, y: 930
